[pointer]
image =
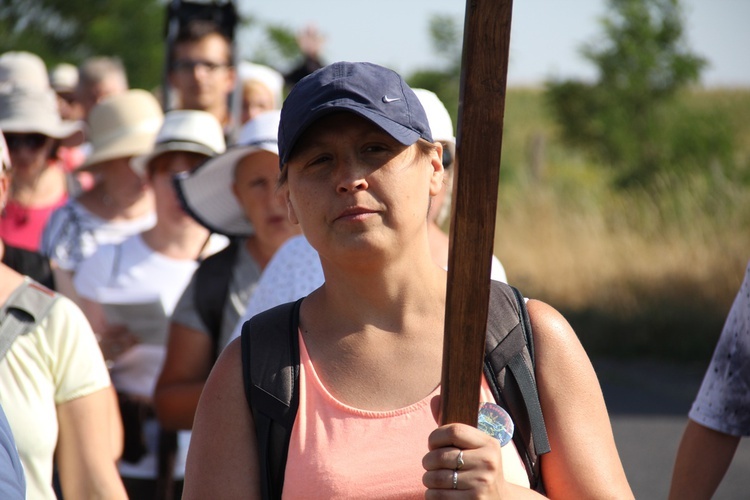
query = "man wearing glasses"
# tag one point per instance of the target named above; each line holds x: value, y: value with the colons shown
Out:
x: 201, y: 70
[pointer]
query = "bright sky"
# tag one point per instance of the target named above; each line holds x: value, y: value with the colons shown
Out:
x: 545, y: 39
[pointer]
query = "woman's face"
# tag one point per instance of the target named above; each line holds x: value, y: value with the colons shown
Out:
x: 29, y: 153
x: 351, y: 185
x: 256, y: 99
x: 255, y: 179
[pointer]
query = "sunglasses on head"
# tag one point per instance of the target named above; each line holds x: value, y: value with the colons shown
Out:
x: 31, y: 141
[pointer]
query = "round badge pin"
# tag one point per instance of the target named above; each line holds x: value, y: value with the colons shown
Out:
x: 496, y: 422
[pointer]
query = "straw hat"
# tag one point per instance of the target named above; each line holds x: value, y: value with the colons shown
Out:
x: 123, y: 125
x: 27, y: 102
x: 184, y: 130
x: 206, y: 193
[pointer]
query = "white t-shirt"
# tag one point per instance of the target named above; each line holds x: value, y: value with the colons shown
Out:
x: 294, y: 271
x: 73, y: 233
x: 133, y: 271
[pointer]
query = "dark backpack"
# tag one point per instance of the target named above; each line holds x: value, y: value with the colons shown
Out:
x: 212, y: 280
x: 270, y: 365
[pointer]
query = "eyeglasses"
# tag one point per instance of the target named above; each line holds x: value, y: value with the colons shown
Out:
x: 189, y: 65
x: 34, y: 142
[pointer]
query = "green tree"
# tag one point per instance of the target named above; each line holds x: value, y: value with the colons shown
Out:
x: 628, y: 118
x: 446, y: 36
x: 71, y: 30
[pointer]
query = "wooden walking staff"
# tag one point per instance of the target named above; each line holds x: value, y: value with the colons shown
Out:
x: 484, y: 67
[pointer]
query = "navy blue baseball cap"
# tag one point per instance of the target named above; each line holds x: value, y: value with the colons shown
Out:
x: 373, y: 92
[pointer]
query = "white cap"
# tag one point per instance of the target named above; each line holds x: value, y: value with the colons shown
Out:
x: 437, y: 116
x: 265, y: 75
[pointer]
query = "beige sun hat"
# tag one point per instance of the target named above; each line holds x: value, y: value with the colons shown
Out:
x: 27, y: 102
x: 184, y: 130
x: 122, y: 126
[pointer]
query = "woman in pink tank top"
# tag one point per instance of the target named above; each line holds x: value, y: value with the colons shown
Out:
x: 358, y: 170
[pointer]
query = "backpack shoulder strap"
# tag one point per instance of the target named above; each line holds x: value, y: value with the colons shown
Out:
x: 28, y: 305
x: 270, y: 370
x: 509, y: 370
x: 212, y: 288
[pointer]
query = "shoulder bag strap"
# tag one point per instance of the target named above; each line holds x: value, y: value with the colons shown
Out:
x: 28, y: 305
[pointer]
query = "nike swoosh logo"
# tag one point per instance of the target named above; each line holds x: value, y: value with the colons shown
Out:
x: 387, y: 99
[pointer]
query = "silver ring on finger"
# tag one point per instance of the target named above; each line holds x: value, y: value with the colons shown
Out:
x: 460, y: 460
x: 455, y: 479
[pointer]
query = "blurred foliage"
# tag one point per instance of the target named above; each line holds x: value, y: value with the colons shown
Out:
x: 446, y: 36
x: 70, y: 31
x: 630, y: 118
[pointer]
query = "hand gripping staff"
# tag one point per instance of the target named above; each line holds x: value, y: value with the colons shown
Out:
x: 484, y: 67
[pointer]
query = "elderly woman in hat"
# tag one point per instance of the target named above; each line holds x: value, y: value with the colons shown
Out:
x: 121, y: 202
x: 55, y: 389
x: 233, y: 194
x: 34, y: 131
x: 129, y: 289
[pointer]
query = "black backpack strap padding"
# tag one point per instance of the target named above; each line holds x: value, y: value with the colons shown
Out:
x: 26, y: 307
x: 509, y: 344
x: 212, y: 280
x: 270, y: 366
x: 526, y: 378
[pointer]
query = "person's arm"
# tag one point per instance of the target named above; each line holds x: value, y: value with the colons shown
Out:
x: 63, y: 280
x: 85, y: 463
x: 186, y: 368
x: 702, y: 460
x: 584, y: 462
x: 222, y: 460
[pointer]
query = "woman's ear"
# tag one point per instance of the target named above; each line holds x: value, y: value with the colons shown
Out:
x: 438, y: 172
x: 291, y: 214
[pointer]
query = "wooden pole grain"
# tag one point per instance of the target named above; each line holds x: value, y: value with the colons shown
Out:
x: 484, y: 67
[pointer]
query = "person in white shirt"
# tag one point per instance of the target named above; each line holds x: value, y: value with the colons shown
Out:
x: 142, y: 278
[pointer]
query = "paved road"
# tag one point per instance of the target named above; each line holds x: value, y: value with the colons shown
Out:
x: 648, y: 404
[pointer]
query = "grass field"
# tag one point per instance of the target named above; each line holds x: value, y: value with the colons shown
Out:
x: 643, y: 272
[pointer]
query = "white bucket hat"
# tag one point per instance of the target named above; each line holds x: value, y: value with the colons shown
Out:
x: 184, y: 130
x: 438, y: 117
x: 123, y: 125
x: 206, y: 192
x: 27, y: 102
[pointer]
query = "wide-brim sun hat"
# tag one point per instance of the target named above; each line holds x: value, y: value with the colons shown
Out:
x: 185, y: 130
x: 206, y: 192
x: 28, y: 104
x: 122, y: 126
x: 373, y: 92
